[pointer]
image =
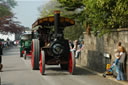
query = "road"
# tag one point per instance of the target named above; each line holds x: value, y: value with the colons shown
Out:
x: 17, y: 71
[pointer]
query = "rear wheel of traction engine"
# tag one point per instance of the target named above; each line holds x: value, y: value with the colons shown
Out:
x: 42, y: 62
x: 25, y: 54
x: 35, y: 54
x: 71, y: 64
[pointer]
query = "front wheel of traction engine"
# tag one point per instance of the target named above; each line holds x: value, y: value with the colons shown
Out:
x: 35, y: 54
x: 42, y: 62
x: 71, y: 64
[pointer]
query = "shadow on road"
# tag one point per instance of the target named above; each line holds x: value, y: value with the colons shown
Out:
x: 82, y: 72
x: 56, y: 74
x: 58, y: 71
x: 55, y: 71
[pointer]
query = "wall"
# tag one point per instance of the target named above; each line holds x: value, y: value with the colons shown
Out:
x: 95, y: 48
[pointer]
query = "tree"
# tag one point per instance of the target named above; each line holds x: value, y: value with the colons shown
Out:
x: 4, y: 11
x: 6, y: 15
x: 5, y: 7
x: 8, y: 25
x: 50, y: 7
x: 100, y: 15
x: 71, y: 5
x: 74, y: 32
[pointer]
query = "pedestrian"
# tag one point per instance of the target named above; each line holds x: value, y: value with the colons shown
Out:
x: 121, y: 64
x: 117, y: 56
x: 1, y: 66
x: 119, y: 45
x: 75, y: 45
x: 78, y: 51
x: 71, y: 44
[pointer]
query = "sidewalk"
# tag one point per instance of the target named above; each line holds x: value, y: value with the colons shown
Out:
x: 101, y: 74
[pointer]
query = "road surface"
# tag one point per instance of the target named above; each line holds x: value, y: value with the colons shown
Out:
x: 17, y: 71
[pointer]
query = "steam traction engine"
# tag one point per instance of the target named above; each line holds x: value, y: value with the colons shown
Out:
x: 25, y: 45
x: 49, y: 46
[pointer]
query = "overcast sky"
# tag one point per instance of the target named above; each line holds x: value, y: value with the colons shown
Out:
x: 27, y: 11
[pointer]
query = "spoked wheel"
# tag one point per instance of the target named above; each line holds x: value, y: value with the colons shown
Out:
x: 25, y: 54
x: 71, y: 63
x: 35, y: 54
x: 42, y: 62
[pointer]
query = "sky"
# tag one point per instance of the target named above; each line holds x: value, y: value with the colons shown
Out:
x: 27, y: 12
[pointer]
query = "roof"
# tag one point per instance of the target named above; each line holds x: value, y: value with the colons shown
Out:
x: 49, y: 21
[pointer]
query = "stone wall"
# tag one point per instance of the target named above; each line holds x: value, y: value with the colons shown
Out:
x: 95, y: 48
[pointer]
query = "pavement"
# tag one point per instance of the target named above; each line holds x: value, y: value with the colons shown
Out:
x: 101, y: 74
x: 17, y: 71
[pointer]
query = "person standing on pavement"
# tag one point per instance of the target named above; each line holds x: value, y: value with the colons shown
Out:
x: 71, y: 45
x: 117, y: 56
x: 1, y: 56
x: 121, y: 64
x: 75, y: 46
x: 119, y: 45
x: 78, y: 51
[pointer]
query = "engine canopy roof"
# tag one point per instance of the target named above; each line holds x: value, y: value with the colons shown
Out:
x: 49, y: 21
